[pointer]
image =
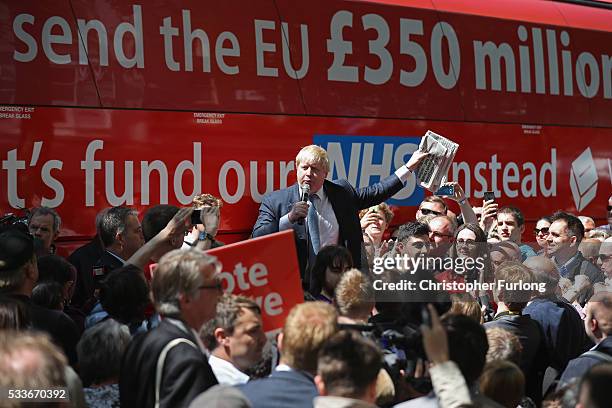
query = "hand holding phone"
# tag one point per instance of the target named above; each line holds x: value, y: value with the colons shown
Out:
x: 452, y: 190
x: 489, y: 210
x: 195, y: 217
x: 448, y: 190
x: 489, y: 196
x: 435, y: 340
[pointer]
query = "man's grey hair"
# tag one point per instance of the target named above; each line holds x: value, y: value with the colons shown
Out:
x: 178, y: 272
x: 113, y: 222
x: 99, y: 217
x: 38, y: 211
x: 100, y: 351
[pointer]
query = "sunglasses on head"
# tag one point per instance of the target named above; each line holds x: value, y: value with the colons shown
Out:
x: 538, y: 231
x: 426, y: 211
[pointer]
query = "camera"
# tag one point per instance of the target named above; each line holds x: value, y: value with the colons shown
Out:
x: 11, y: 221
x: 401, y: 343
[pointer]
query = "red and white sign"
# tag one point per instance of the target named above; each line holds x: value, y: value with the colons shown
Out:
x: 266, y: 270
x: 140, y: 103
x: 82, y: 160
x: 523, y: 61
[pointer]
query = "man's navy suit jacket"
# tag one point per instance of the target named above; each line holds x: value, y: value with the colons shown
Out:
x: 563, y: 330
x: 346, y: 202
x: 578, y: 367
x: 282, y: 389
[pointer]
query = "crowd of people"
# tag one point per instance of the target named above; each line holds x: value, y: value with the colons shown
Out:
x: 138, y: 316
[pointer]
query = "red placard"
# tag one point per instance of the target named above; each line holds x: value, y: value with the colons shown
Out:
x: 266, y: 270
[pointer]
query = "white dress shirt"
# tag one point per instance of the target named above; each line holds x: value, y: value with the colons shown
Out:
x: 329, y: 230
x: 226, y: 372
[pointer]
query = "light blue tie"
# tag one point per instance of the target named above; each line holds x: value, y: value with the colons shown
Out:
x: 313, y: 223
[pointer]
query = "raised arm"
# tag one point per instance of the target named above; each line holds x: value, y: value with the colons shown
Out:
x: 387, y: 187
x: 174, y: 230
x: 469, y: 216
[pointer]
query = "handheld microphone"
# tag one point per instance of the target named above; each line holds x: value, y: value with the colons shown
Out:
x: 304, y: 198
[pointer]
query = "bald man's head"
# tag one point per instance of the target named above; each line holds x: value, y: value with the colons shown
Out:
x: 589, y: 248
x: 504, y: 251
x: 544, y: 270
x: 598, y: 320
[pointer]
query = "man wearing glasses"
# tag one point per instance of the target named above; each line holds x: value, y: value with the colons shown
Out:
x: 167, y: 365
x: 608, y: 227
x: 431, y: 205
x: 442, y: 235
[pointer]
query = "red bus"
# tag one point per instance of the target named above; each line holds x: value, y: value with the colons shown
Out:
x: 140, y: 103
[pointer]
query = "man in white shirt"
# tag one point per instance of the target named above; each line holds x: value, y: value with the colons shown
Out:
x: 236, y: 338
x: 291, y: 384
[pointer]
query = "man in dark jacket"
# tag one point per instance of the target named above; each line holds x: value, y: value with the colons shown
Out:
x: 512, y: 293
x: 83, y: 259
x: 561, y: 324
x: 168, y: 364
x: 18, y: 276
x: 598, y: 326
x: 120, y: 234
x: 291, y: 384
x: 564, y: 236
x: 323, y: 212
